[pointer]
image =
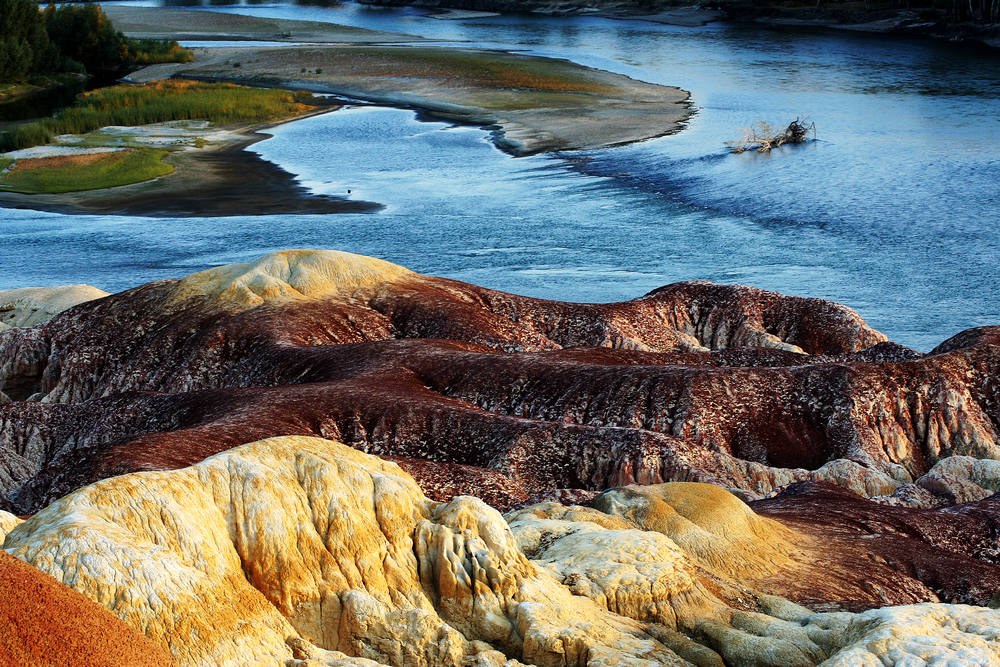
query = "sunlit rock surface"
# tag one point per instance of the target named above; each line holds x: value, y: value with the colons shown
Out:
x: 302, y: 551
x: 7, y: 523
x: 245, y: 556
x: 29, y: 306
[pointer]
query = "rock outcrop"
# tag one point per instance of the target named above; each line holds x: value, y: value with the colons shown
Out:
x: 302, y: 551
x: 281, y: 548
x: 28, y: 306
x: 476, y: 390
x: 709, y: 475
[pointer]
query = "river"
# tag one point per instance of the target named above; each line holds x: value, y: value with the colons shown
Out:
x: 893, y: 211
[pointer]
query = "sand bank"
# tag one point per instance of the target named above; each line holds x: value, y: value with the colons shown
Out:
x: 182, y: 24
x: 534, y: 104
x: 219, y: 179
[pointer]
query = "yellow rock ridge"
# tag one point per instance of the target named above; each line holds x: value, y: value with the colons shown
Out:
x: 277, y: 549
x: 302, y: 552
x: 289, y: 275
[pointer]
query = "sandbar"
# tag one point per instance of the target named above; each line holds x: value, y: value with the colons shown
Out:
x: 533, y: 104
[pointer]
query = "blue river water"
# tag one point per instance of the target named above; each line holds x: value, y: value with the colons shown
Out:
x: 894, y: 211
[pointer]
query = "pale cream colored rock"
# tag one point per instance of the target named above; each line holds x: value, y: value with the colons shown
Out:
x: 646, y: 575
x: 711, y: 526
x: 855, y: 477
x: 289, y: 275
x: 307, y: 655
x: 962, y: 478
x: 29, y: 306
x: 7, y: 523
x: 922, y: 634
x: 237, y: 559
x: 635, y: 573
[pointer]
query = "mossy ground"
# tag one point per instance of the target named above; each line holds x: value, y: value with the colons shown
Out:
x: 83, y: 172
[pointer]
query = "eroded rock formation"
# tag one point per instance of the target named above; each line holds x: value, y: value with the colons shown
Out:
x: 474, y: 390
x: 278, y: 548
x: 795, y: 405
x: 301, y: 551
x: 32, y: 305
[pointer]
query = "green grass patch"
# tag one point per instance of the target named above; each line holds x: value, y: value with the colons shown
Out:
x: 159, y: 102
x: 106, y: 171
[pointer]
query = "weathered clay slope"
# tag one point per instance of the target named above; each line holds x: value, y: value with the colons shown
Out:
x: 42, y: 622
x: 827, y: 548
x: 32, y: 305
x: 694, y: 381
x: 303, y: 551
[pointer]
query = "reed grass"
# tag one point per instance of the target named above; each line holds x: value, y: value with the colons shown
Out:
x: 159, y: 102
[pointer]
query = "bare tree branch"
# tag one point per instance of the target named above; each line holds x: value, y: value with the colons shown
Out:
x: 763, y: 137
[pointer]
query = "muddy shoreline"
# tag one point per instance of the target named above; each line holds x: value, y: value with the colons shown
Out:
x: 229, y: 180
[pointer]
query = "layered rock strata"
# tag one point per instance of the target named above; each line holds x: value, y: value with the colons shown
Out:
x: 474, y: 390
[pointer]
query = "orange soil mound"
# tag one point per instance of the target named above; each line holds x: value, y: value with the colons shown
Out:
x: 43, y: 622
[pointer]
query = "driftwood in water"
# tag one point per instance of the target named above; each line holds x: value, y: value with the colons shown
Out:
x: 763, y: 137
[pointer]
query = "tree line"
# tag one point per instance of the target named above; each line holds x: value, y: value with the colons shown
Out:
x: 71, y: 38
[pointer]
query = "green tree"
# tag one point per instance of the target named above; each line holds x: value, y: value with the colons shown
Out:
x: 25, y: 47
x: 83, y: 33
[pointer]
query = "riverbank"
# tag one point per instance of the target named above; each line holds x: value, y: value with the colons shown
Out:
x: 899, y: 23
x: 224, y: 182
x: 186, y: 25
